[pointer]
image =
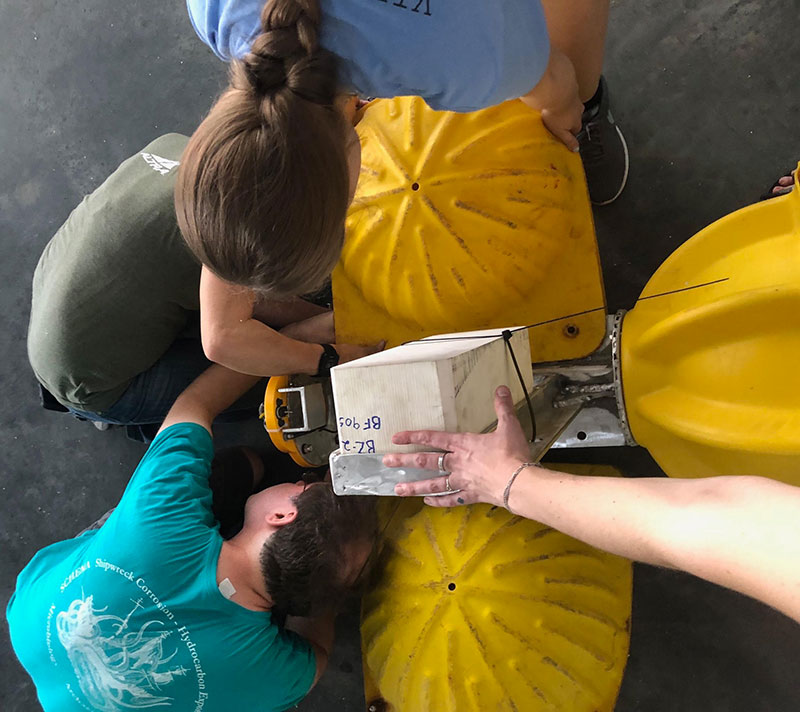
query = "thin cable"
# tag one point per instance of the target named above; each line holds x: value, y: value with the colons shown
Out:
x: 566, y: 316
x: 514, y: 330
x: 684, y: 289
x: 561, y: 318
x: 507, y: 338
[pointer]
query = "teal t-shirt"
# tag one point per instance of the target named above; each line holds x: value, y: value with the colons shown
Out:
x: 129, y: 616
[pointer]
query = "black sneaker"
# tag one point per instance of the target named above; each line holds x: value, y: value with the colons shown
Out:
x: 603, y: 151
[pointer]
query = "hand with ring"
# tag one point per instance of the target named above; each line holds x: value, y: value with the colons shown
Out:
x: 475, y: 468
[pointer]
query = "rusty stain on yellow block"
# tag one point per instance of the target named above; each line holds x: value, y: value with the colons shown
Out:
x: 468, y: 221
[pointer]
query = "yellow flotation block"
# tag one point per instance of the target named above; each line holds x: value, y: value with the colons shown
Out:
x: 710, y: 353
x: 468, y: 221
x: 480, y: 610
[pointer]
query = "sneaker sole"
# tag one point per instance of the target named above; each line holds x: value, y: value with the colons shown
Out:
x: 627, y: 167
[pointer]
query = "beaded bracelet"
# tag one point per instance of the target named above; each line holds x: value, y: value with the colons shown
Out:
x: 511, y: 481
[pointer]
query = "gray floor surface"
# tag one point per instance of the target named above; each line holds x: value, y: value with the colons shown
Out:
x: 708, y: 94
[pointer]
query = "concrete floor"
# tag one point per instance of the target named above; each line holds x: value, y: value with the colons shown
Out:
x: 708, y: 97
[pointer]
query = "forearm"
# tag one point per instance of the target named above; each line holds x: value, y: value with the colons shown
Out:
x: 578, y: 29
x: 628, y: 517
x: 558, y: 85
x: 252, y: 347
x: 319, y: 630
x: 739, y: 532
x: 208, y: 395
x: 234, y: 337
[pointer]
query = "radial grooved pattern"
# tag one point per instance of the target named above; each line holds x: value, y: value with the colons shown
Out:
x: 467, y: 221
x: 487, y: 611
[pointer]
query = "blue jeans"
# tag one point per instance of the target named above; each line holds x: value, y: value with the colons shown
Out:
x: 151, y: 394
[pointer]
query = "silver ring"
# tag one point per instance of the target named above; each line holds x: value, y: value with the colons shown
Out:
x: 447, y: 487
x: 441, y: 463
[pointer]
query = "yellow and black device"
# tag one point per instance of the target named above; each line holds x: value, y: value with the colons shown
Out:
x: 299, y: 417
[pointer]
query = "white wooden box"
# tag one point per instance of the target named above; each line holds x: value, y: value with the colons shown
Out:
x: 444, y: 382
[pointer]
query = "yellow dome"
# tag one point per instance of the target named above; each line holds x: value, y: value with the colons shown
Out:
x: 710, y: 352
x: 480, y: 610
x: 468, y: 221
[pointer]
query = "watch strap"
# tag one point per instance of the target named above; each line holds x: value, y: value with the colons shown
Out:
x: 327, y: 360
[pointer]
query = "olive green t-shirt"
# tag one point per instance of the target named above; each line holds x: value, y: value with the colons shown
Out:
x: 115, y: 286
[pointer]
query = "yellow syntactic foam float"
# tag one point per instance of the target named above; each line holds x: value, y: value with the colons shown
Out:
x: 710, y: 352
x: 272, y: 423
x: 468, y: 221
x: 480, y: 610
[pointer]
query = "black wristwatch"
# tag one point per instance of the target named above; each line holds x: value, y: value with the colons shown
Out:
x: 327, y: 360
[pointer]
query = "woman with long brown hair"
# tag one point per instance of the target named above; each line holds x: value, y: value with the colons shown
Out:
x: 459, y: 56
x: 259, y: 194
x: 262, y: 195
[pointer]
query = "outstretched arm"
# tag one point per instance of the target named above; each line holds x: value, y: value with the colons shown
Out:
x: 207, y: 396
x: 556, y: 96
x: 739, y: 532
x: 319, y: 632
x: 233, y: 337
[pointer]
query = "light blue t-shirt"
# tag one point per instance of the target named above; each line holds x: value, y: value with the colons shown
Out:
x: 458, y: 55
x: 129, y: 616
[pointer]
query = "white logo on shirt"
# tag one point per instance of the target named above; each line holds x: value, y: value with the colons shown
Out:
x: 159, y: 164
x: 117, y: 668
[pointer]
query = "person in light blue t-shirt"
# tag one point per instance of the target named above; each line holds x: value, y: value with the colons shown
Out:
x: 154, y: 608
x: 264, y: 184
x: 460, y: 56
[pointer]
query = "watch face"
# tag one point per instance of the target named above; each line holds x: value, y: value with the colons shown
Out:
x: 331, y: 355
x: 327, y: 360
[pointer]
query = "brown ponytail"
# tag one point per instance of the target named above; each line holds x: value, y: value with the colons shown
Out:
x: 262, y: 190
